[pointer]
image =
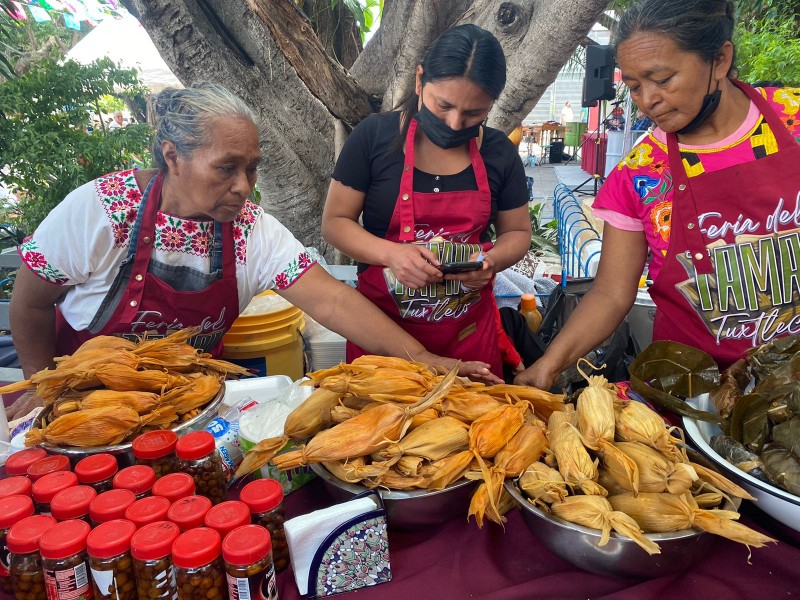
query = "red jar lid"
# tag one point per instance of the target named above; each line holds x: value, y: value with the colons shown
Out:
x: 154, y: 541
x: 111, y: 505
x: 45, y: 489
x: 96, y: 467
x: 110, y: 539
x: 148, y: 510
x: 195, y: 445
x: 154, y: 444
x: 262, y: 495
x: 189, y: 512
x: 18, y: 463
x: 23, y: 537
x: 64, y: 539
x: 15, y: 486
x: 72, y: 502
x: 246, y: 545
x: 138, y: 479
x: 196, y: 548
x: 49, y: 464
x: 227, y: 516
x: 13, y: 509
x: 174, y: 486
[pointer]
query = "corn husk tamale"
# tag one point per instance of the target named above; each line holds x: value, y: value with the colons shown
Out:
x: 340, y: 414
x: 141, y: 402
x: 156, y: 344
x: 655, y: 473
x: 312, y: 416
x: 429, y: 414
x: 386, y: 381
x: 93, y: 427
x: 107, y: 343
x: 355, y: 470
x: 597, y: 513
x: 490, y: 433
x: 543, y: 402
x: 260, y: 454
x: 445, y: 471
x: 391, y: 362
x: 410, y: 466
x: 468, y: 406
x: 161, y: 417
x: 574, y: 462
x: 433, y: 440
x: 198, y: 392
x: 662, y: 513
x: 396, y: 481
x: 221, y: 367
x: 708, y: 500
x: 543, y: 485
x: 179, y: 358
x: 121, y: 378
x: 720, y: 482
x: 608, y: 482
x: 635, y: 422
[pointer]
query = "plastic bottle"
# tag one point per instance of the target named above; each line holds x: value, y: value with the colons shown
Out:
x: 151, y: 549
x: 47, y: 465
x: 156, y: 449
x: 190, y: 512
x: 199, y: 570
x: 139, y: 479
x: 110, y: 505
x: 45, y: 489
x: 147, y: 510
x: 18, y: 463
x: 248, y: 564
x: 265, y: 499
x: 73, y: 503
x: 66, y: 573
x: 109, y: 549
x: 529, y: 310
x: 227, y: 516
x: 24, y: 560
x: 198, y: 456
x: 174, y: 486
x: 15, y: 486
x: 12, y: 510
x: 98, y: 471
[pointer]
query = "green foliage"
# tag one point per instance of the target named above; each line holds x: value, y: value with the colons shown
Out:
x: 46, y: 146
x: 543, y: 233
x: 769, y: 50
x: 362, y: 10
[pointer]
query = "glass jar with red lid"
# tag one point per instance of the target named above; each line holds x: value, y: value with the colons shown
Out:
x: 156, y: 449
x: 110, y: 505
x: 110, y: 562
x: 148, y: 510
x: 24, y: 560
x: 63, y: 549
x: 199, y: 570
x: 227, y: 516
x: 97, y: 470
x: 12, y: 510
x: 73, y: 503
x: 247, y: 552
x: 198, y: 456
x: 18, y: 463
x: 265, y: 499
x: 151, y: 549
x: 174, y: 486
x: 139, y: 479
x: 47, y: 465
x: 45, y: 489
x: 190, y: 512
x: 15, y: 486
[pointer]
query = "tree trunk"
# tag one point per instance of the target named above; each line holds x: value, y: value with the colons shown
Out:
x: 267, y: 52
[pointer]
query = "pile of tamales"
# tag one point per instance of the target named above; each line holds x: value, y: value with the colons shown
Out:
x: 111, y: 389
x: 390, y: 423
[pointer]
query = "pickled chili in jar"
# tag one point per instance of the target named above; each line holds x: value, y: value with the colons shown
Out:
x: 63, y: 550
x: 139, y: 479
x: 49, y: 464
x: 174, y: 486
x: 98, y: 471
x: 109, y: 548
x: 110, y: 505
x: 156, y: 449
x: 199, y: 570
x: 227, y: 516
x: 17, y: 464
x: 12, y: 510
x: 250, y: 573
x: 24, y: 560
x: 45, y: 488
x: 265, y: 499
x: 15, y: 486
x: 198, y: 456
x: 151, y: 549
x: 147, y: 510
x: 190, y: 512
x: 73, y: 503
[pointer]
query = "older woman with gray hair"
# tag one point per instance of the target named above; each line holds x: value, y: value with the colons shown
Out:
x: 152, y: 251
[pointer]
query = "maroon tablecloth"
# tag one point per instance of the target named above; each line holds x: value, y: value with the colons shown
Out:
x: 591, y: 147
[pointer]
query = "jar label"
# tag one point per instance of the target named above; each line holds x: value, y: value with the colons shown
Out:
x: 261, y: 586
x: 69, y: 584
x: 103, y: 580
x: 3, y: 560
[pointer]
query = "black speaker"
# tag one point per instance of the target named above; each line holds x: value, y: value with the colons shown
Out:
x: 599, y: 81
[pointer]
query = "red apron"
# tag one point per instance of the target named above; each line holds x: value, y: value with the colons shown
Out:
x: 149, y: 305
x: 445, y: 318
x: 731, y: 276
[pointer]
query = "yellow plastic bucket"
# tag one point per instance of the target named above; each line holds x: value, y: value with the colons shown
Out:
x: 269, y: 343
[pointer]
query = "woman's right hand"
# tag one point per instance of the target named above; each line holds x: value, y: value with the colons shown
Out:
x: 413, y: 265
x: 23, y: 405
x: 539, y: 375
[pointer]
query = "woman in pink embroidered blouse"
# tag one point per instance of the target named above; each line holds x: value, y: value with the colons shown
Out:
x: 713, y: 193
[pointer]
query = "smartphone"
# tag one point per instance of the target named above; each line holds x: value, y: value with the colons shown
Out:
x: 460, y: 267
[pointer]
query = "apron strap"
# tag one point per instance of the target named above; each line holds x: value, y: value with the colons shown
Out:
x: 405, y: 203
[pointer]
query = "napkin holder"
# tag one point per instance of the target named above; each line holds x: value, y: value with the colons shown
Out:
x: 353, y: 555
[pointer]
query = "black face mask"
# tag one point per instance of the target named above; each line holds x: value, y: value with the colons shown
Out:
x: 440, y: 133
x: 710, y: 104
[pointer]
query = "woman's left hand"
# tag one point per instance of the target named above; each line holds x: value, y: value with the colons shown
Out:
x: 475, y: 280
x: 475, y: 370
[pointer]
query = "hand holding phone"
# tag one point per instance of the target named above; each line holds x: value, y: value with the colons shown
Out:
x: 460, y: 267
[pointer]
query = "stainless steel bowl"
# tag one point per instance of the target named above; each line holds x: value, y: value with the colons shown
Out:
x: 621, y: 556
x: 123, y: 452
x: 407, y: 509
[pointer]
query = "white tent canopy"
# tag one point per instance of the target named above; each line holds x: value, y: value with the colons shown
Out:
x: 126, y: 42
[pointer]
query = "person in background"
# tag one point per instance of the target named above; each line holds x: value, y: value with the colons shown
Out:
x: 712, y: 192
x: 117, y: 122
x: 428, y: 180
x: 566, y: 113
x: 616, y: 122
x: 642, y: 123
x: 147, y: 252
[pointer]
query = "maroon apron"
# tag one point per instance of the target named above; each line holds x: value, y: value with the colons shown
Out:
x: 445, y: 318
x: 731, y: 276
x: 141, y: 303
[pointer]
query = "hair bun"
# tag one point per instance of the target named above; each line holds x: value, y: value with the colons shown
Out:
x: 163, y: 100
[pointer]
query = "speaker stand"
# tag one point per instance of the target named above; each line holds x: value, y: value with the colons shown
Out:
x: 597, y: 178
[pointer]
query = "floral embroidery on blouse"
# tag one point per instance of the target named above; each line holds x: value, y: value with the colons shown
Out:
x: 36, y: 262
x: 638, y: 157
x: 294, y: 270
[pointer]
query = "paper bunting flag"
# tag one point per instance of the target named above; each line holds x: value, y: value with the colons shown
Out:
x: 18, y: 13
x: 71, y: 22
x: 38, y: 13
x: 52, y: 5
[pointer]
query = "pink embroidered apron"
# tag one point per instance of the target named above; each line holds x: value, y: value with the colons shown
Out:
x: 141, y: 301
x: 731, y: 276
x: 445, y: 318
